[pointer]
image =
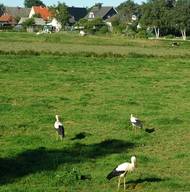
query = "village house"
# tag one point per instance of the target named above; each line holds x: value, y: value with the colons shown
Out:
x: 43, y: 12
x: 12, y: 15
x: 16, y: 16
x: 41, y: 16
x: 76, y: 13
x: 38, y: 24
x: 6, y: 20
x: 101, y: 12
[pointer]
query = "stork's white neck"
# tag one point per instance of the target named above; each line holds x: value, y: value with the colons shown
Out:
x: 133, y: 163
x: 133, y: 160
x: 57, y: 118
x: 132, y: 166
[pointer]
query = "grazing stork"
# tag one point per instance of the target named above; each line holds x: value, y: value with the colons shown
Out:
x: 121, y: 170
x: 175, y: 44
x: 136, y: 122
x: 59, y: 127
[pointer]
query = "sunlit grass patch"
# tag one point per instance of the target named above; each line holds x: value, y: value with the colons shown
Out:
x: 94, y: 95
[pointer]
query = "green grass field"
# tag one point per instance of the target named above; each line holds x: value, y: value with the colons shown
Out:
x: 95, y: 96
x: 72, y: 43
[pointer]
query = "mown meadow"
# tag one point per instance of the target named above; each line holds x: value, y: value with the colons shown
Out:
x: 94, y: 86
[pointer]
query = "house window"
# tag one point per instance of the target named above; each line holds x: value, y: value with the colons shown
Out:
x: 91, y: 15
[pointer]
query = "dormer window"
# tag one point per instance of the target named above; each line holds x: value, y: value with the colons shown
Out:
x: 91, y: 15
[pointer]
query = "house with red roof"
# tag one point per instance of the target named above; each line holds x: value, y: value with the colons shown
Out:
x: 6, y: 20
x: 43, y: 12
x: 11, y: 15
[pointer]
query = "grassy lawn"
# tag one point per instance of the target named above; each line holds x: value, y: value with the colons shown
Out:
x: 95, y: 97
x: 72, y: 43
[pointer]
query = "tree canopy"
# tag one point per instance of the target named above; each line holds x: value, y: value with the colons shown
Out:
x: 166, y: 16
x: 127, y: 9
x: 2, y: 9
x: 29, y: 22
x: 153, y: 15
x: 92, y: 26
x: 61, y: 13
x: 30, y: 3
x: 182, y: 21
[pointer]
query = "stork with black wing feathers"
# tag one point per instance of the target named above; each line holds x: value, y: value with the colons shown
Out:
x: 121, y: 171
x: 59, y: 127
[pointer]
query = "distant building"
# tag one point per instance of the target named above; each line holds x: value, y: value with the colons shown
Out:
x: 76, y: 13
x: 43, y: 12
x: 17, y: 15
x: 17, y: 11
x: 54, y: 24
x: 11, y: 15
x: 39, y: 24
x: 6, y: 20
x: 102, y: 12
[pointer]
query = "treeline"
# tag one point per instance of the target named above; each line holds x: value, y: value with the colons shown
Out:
x: 155, y: 17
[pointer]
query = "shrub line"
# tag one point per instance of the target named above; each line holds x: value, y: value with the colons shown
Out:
x: 89, y: 54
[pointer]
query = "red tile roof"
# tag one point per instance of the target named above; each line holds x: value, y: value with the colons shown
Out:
x: 43, y: 11
x: 6, y: 18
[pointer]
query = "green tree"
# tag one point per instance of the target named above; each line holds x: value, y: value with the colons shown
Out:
x: 30, y: 3
x: 28, y: 23
x: 92, y: 26
x: 170, y: 3
x: 2, y: 9
x: 61, y: 13
x: 154, y: 15
x: 17, y: 19
x: 126, y: 11
x: 181, y: 17
x: 82, y: 22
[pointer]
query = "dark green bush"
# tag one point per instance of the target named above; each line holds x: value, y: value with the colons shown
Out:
x: 141, y: 34
x: 103, y: 30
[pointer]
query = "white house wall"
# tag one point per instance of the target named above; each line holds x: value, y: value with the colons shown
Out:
x: 32, y: 12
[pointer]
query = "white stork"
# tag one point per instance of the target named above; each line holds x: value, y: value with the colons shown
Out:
x: 136, y: 122
x: 59, y: 127
x: 121, y: 170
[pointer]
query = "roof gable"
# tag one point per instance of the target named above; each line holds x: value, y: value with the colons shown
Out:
x: 101, y: 11
x: 43, y: 11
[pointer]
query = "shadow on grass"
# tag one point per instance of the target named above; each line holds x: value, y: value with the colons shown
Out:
x: 42, y: 159
x: 149, y: 180
x: 150, y: 130
x: 133, y: 184
x: 80, y: 136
